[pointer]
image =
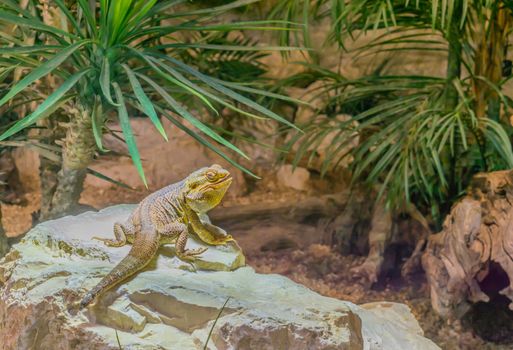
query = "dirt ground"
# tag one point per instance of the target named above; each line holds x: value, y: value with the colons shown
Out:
x: 324, y: 271
x: 319, y: 268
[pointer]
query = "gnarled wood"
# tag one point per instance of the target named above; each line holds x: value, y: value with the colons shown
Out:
x: 477, y: 232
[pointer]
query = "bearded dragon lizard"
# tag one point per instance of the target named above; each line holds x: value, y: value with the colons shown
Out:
x: 169, y: 215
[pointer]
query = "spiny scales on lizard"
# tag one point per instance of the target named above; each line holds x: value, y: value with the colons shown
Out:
x: 169, y: 215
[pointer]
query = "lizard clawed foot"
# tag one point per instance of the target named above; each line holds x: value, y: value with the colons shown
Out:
x: 227, y: 238
x: 189, y: 255
x: 221, y: 240
x: 110, y: 242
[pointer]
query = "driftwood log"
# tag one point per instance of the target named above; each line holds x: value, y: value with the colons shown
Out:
x: 279, y: 223
x: 326, y: 205
x: 477, y: 233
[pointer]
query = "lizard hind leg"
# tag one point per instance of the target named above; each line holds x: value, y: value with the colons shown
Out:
x: 139, y: 256
x: 121, y: 237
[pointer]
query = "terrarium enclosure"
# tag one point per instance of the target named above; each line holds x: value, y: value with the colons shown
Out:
x: 256, y: 174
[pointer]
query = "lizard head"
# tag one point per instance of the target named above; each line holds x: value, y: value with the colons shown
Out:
x: 206, y: 187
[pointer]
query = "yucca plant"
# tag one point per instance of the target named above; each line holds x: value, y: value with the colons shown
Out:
x: 111, y: 58
x: 421, y: 137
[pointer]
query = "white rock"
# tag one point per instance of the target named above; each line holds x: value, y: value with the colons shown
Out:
x: 165, y: 307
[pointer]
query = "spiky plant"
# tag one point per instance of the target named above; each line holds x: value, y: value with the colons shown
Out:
x: 109, y: 58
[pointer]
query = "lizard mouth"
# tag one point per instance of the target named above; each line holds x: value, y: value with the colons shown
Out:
x: 227, y: 180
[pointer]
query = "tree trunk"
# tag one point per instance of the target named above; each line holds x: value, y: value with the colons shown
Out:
x: 48, y: 171
x: 453, y: 65
x: 367, y: 224
x: 491, y: 41
x: 350, y: 227
x: 78, y: 149
x: 50, y: 132
x: 477, y: 233
x: 4, y: 244
x: 379, y: 235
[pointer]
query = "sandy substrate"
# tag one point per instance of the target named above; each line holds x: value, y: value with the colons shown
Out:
x: 17, y: 219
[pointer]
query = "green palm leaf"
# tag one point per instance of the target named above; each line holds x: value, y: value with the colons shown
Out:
x: 45, y: 106
x: 145, y: 102
x: 41, y: 71
x: 128, y: 133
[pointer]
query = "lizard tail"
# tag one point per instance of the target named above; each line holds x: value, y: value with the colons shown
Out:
x: 138, y: 257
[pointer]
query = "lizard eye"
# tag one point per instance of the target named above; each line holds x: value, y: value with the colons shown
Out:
x: 211, y: 175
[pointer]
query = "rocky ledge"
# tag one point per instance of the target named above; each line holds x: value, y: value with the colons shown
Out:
x: 166, y: 306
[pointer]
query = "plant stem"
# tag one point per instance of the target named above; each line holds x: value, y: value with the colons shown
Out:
x: 453, y: 66
x: 214, y: 324
x: 494, y: 108
x: 4, y: 244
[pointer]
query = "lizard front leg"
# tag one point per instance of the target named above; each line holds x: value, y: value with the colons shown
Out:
x: 207, y: 232
x: 123, y: 233
x: 178, y: 233
x: 216, y: 231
